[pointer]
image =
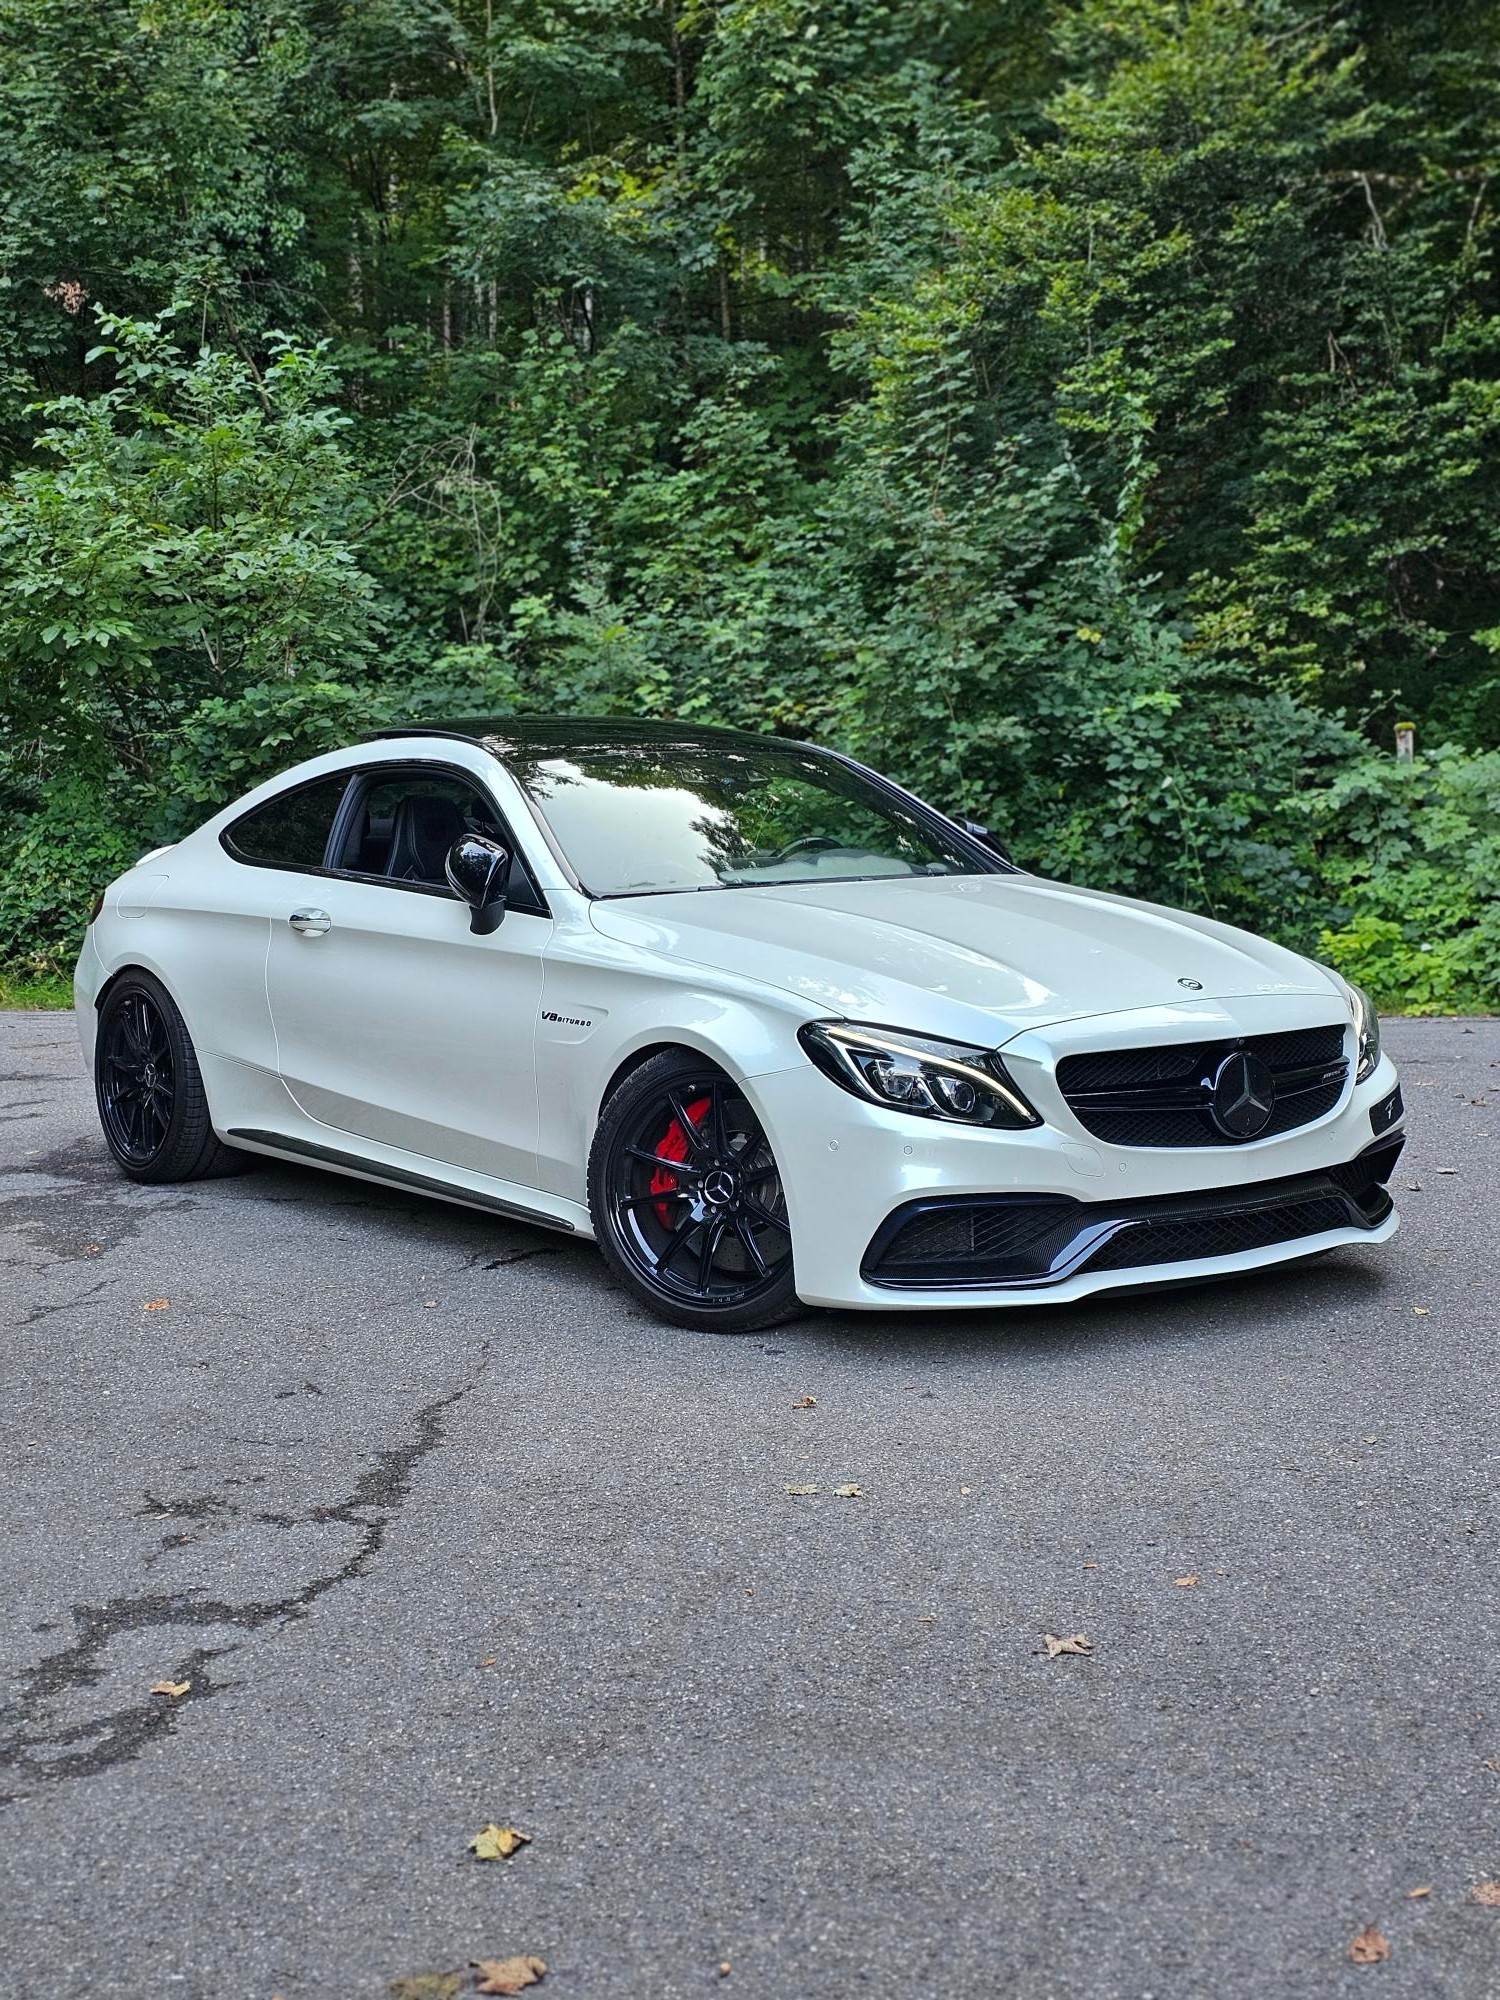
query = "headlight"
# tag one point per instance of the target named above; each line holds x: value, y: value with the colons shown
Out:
x: 1367, y: 1028
x: 914, y: 1073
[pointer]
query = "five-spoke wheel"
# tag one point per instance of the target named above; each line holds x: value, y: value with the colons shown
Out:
x: 687, y: 1200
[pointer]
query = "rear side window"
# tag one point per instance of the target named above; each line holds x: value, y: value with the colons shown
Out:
x: 291, y: 830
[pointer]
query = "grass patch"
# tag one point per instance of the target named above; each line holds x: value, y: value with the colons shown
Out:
x: 22, y: 988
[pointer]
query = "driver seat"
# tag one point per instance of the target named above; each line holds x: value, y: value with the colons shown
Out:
x: 425, y: 830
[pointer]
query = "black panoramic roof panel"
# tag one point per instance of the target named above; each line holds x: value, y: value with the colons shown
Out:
x: 540, y: 736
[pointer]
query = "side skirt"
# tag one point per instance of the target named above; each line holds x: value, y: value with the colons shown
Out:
x: 288, y: 1146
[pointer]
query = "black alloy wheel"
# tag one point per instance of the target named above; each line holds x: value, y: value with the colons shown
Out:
x: 149, y: 1088
x: 138, y: 1079
x: 687, y: 1200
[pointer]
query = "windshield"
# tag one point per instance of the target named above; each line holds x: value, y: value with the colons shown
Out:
x: 645, y: 818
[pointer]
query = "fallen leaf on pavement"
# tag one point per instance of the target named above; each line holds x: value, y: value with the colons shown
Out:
x: 849, y: 1492
x: 1184, y: 1582
x: 490, y: 1661
x: 1416, y: 1895
x: 173, y: 1688
x: 498, y: 1843
x: 1492, y: 1764
x: 427, y: 1986
x: 509, y: 1975
x: 1421, y: 1311
x: 1075, y: 1643
x: 805, y: 1403
x: 800, y: 1492
x: 1369, y: 1948
x: 1487, y: 1893
x: 155, y: 1305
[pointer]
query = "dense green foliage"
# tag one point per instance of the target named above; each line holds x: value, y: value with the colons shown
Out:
x: 1086, y: 409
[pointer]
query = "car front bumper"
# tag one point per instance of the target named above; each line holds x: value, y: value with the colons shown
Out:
x: 851, y: 1170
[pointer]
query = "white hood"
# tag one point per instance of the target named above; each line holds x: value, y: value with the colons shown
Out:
x: 979, y: 958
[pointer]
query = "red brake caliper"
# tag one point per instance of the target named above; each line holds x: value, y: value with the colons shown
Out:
x: 674, y: 1147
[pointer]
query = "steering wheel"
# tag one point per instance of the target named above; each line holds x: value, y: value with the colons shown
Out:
x: 808, y: 843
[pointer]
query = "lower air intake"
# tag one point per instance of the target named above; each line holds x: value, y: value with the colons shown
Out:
x: 1030, y: 1241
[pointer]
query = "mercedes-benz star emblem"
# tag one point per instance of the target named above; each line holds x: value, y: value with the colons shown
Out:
x: 718, y: 1188
x: 1244, y: 1096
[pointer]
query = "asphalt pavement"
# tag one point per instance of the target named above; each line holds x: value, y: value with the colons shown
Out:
x: 440, y: 1530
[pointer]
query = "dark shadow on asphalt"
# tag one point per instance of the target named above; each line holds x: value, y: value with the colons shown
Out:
x: 1203, y: 1311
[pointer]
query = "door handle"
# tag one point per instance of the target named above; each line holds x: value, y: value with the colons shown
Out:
x: 311, y: 923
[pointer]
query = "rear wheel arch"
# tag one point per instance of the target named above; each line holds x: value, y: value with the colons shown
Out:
x: 127, y: 972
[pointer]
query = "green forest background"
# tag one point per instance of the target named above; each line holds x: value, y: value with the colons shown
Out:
x: 1084, y: 409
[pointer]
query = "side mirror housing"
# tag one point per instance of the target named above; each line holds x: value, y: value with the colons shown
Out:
x: 986, y: 839
x: 478, y: 872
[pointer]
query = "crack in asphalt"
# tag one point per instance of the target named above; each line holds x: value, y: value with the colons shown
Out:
x: 38, y: 1313
x: 34, y: 1747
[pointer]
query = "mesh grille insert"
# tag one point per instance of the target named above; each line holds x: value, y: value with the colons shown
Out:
x: 1178, y: 1239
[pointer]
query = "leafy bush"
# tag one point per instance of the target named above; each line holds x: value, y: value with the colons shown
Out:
x: 1087, y: 411
x: 1412, y: 852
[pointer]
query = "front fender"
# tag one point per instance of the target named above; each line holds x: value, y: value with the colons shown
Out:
x: 598, y: 1018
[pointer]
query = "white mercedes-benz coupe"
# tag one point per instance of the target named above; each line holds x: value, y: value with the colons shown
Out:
x: 754, y: 1018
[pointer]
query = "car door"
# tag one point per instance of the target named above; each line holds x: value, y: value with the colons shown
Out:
x: 394, y: 1021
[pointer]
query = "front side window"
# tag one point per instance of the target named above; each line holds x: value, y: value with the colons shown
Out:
x: 291, y: 830
x: 647, y: 818
x: 403, y: 826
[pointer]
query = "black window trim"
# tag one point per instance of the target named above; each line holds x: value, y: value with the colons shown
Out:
x: 358, y: 780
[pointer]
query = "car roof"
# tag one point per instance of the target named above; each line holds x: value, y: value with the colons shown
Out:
x: 529, y: 737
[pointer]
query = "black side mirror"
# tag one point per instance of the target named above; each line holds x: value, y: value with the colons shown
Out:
x: 986, y: 839
x: 478, y: 872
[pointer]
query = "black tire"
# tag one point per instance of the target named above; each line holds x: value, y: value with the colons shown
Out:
x: 718, y: 1259
x: 149, y: 1088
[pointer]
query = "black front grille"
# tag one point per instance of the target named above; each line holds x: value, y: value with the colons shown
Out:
x: 1030, y: 1241
x: 1162, y: 1096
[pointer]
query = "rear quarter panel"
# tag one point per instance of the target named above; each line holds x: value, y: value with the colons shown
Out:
x: 201, y: 924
